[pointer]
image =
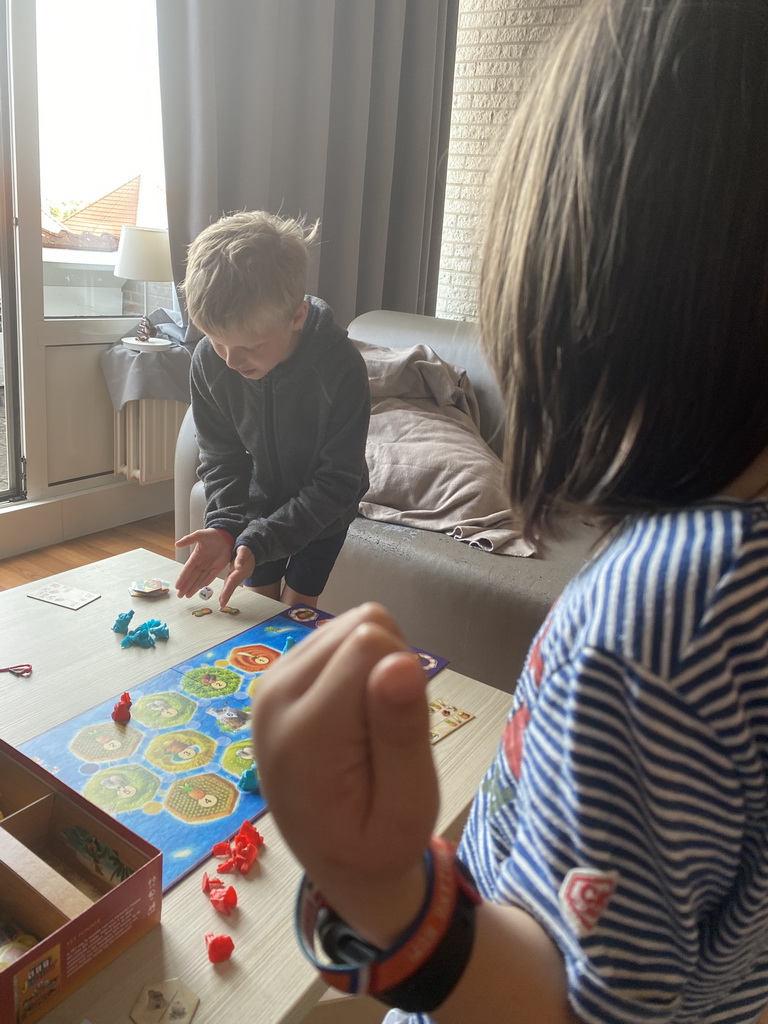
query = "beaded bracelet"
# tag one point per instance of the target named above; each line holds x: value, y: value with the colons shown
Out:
x: 423, y: 967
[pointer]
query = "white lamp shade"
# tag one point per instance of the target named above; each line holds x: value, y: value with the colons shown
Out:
x: 144, y: 254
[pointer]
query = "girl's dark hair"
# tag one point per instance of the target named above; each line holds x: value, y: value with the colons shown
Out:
x: 624, y: 292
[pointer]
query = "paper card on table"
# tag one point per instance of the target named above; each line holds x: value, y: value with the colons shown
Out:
x: 165, y: 1001
x: 67, y: 597
x: 445, y: 718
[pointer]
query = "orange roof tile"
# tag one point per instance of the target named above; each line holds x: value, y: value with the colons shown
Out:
x: 108, y: 214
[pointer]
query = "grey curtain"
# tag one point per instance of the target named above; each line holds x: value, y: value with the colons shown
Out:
x: 336, y: 110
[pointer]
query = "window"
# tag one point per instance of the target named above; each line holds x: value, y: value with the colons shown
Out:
x: 84, y: 159
x: 101, y: 161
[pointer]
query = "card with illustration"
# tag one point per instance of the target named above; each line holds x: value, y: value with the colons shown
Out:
x: 445, y: 718
x: 67, y: 597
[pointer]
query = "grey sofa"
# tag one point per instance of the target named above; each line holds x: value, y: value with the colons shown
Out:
x: 480, y: 610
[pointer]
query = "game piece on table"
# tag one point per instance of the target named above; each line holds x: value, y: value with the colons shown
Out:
x: 122, y: 710
x: 241, y: 851
x: 220, y: 947
x: 20, y: 671
x: 289, y: 643
x: 149, y: 588
x: 121, y: 622
x: 223, y: 899
x: 146, y: 634
x: 229, y: 610
x: 211, y: 882
x: 199, y: 612
x: 65, y: 597
x: 139, y: 637
x: 206, y: 593
x: 249, y: 780
x: 165, y: 1001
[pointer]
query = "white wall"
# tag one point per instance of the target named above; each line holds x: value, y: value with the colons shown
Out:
x: 498, y: 46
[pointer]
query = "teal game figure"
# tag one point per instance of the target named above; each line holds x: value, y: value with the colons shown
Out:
x: 249, y: 780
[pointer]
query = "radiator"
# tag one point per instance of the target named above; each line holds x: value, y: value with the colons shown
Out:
x: 145, y: 439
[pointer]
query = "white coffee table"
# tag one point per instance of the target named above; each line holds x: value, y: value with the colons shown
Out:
x: 77, y: 664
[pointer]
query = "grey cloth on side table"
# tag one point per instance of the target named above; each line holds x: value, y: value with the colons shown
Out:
x: 131, y: 376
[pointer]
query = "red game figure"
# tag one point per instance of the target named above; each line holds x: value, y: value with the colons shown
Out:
x: 211, y: 883
x: 241, y: 851
x: 219, y: 947
x: 122, y: 710
x: 223, y: 899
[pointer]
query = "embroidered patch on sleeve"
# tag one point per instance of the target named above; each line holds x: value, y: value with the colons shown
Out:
x: 513, y: 739
x: 584, y: 895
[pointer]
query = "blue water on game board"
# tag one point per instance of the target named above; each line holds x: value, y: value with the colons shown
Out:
x: 171, y: 772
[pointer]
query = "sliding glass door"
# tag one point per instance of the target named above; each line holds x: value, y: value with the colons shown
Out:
x: 81, y: 154
x: 11, y: 476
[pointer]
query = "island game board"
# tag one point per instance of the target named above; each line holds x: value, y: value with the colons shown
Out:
x: 171, y: 773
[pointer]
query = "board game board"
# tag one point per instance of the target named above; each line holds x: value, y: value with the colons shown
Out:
x: 171, y: 773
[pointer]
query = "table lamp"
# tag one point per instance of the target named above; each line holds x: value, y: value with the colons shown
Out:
x: 144, y: 254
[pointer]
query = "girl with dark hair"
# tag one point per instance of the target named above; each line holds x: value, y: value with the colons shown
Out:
x: 614, y: 867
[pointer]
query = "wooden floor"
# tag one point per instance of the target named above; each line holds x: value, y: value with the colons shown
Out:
x: 155, y: 534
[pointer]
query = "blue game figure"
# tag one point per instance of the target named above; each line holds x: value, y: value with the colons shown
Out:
x: 249, y: 780
x: 121, y: 622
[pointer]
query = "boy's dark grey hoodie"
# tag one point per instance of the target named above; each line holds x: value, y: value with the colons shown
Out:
x: 283, y: 458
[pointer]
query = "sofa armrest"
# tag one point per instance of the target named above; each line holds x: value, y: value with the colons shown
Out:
x: 186, y: 462
x: 455, y: 341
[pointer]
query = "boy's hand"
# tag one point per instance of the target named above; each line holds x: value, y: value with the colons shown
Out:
x: 212, y: 552
x: 342, y: 744
x: 242, y: 567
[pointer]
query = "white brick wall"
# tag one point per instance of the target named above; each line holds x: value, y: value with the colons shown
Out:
x: 498, y: 45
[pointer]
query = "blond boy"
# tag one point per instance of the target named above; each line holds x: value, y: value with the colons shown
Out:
x: 281, y: 405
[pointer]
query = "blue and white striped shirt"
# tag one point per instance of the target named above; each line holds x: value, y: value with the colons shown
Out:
x: 627, y: 809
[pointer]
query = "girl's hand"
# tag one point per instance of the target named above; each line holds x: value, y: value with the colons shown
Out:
x: 342, y: 742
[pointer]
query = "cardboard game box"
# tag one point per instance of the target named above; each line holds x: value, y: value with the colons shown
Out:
x: 72, y: 878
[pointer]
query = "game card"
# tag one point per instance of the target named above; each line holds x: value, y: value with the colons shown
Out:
x: 67, y: 597
x: 445, y: 718
x: 165, y: 1001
